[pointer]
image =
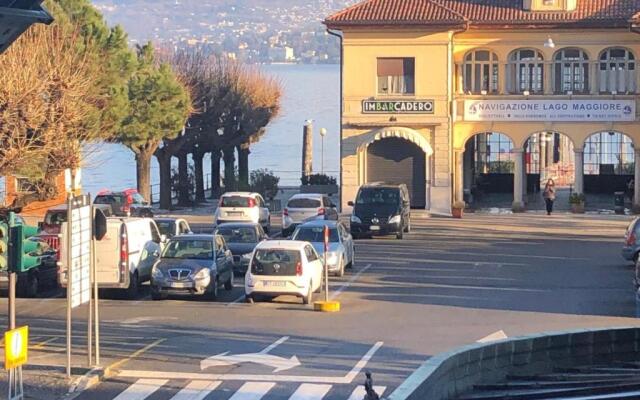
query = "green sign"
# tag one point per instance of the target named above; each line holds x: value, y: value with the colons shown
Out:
x: 397, y: 106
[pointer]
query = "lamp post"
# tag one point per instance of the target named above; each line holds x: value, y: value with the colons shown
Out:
x: 323, y: 133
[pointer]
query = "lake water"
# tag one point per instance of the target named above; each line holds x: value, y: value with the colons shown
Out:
x: 309, y: 92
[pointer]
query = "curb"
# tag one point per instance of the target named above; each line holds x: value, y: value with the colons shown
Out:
x: 87, y: 381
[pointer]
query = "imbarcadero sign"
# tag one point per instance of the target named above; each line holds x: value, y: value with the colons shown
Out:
x: 550, y: 110
x: 397, y: 107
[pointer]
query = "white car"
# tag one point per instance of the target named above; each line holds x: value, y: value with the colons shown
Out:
x: 307, y: 207
x: 283, y: 268
x: 243, y: 207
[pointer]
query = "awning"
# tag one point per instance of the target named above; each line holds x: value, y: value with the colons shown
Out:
x: 397, y: 132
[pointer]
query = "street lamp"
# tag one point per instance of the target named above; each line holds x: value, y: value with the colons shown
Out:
x: 323, y: 133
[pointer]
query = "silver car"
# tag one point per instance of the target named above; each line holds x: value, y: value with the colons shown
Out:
x: 631, y: 246
x: 307, y: 207
x: 341, y: 253
x: 193, y: 265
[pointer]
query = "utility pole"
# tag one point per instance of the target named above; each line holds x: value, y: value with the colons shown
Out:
x: 323, y: 133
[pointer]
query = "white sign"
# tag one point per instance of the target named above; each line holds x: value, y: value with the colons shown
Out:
x: 550, y: 110
x: 80, y: 255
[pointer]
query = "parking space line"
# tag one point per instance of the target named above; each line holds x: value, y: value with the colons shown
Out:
x: 135, y: 354
x: 348, y: 283
x: 42, y: 344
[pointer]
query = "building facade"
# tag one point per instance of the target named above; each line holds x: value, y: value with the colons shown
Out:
x: 460, y: 98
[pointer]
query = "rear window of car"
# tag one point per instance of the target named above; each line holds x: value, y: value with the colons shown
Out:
x: 55, y: 217
x: 275, y: 262
x: 304, y: 203
x: 315, y: 234
x: 238, y: 234
x: 108, y: 199
x: 167, y: 228
x: 235, y: 201
x: 138, y: 199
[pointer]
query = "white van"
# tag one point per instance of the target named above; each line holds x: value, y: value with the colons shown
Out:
x: 124, y: 257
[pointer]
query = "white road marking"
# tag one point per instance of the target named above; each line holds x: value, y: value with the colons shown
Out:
x: 308, y: 391
x: 348, y: 283
x: 252, y: 391
x: 196, y: 390
x: 495, y: 336
x: 141, y: 389
x: 359, y: 393
x: 348, y: 378
x: 262, y: 357
x: 137, y: 320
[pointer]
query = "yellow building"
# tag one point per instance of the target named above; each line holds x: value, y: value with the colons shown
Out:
x: 463, y: 98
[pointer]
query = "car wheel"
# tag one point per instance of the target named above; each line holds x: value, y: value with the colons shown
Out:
x: 308, y: 299
x: 132, y: 291
x: 155, y: 295
x: 228, y: 285
x: 355, y: 236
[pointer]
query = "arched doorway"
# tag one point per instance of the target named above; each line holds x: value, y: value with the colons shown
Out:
x: 488, y: 168
x: 549, y: 155
x: 396, y: 160
x: 609, y: 163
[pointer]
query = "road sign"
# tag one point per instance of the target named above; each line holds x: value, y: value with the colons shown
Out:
x: 262, y: 357
x: 80, y: 251
x: 16, y: 344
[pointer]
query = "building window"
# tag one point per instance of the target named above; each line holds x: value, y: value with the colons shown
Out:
x: 396, y: 76
x: 493, y: 153
x: 480, y: 72
x: 608, y: 153
x: 617, y: 71
x: 527, y: 71
x: 571, y: 71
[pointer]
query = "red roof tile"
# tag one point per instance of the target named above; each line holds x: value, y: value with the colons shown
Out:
x: 480, y: 13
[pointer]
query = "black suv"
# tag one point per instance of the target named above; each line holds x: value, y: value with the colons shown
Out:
x: 381, y: 209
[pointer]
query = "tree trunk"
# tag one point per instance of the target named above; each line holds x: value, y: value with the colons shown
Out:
x: 243, y: 165
x: 229, y: 157
x: 215, y: 174
x: 184, y: 199
x: 143, y: 173
x: 164, y: 160
x: 199, y: 173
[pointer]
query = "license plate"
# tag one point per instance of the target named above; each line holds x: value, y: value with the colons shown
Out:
x: 235, y: 213
x: 275, y: 283
x: 374, y: 228
x: 179, y: 285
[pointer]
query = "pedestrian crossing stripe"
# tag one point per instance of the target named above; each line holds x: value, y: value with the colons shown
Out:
x: 199, y: 390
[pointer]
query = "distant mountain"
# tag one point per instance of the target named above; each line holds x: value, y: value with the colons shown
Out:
x: 253, y: 30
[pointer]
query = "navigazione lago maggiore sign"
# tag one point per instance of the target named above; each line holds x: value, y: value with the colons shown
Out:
x: 550, y: 110
x: 397, y: 106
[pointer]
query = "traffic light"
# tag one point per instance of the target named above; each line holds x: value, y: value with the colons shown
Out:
x: 20, y: 258
x: 4, y: 245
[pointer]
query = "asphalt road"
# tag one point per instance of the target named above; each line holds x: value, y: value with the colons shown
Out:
x: 449, y: 283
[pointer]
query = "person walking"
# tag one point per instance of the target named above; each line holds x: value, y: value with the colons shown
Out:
x: 549, y: 195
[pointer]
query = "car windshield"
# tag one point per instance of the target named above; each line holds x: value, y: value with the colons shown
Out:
x: 189, y: 249
x: 55, y: 217
x: 303, y: 203
x: 138, y: 199
x: 244, y: 234
x: 235, y: 201
x: 167, y: 228
x: 378, y: 197
x: 315, y: 234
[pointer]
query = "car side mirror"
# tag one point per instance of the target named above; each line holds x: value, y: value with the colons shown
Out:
x: 350, y: 204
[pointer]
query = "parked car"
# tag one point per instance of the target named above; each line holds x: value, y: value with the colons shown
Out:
x: 193, y: 265
x: 128, y: 203
x: 305, y: 207
x: 283, y: 268
x: 243, y: 207
x: 171, y: 227
x: 57, y: 215
x: 41, y: 277
x: 124, y: 257
x: 241, y: 238
x: 631, y: 247
x: 340, y: 254
x: 381, y: 209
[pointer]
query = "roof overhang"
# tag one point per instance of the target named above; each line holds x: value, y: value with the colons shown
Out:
x: 17, y: 16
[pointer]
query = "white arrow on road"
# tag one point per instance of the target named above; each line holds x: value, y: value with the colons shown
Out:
x: 262, y: 357
x: 494, y: 337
